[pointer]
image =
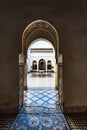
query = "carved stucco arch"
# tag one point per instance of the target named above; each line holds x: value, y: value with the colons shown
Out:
x: 40, y: 29
x: 35, y: 30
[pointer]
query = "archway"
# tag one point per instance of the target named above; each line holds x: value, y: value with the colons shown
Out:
x: 34, y: 65
x: 42, y: 64
x: 35, y: 30
x: 40, y: 49
x: 49, y: 65
x: 40, y: 29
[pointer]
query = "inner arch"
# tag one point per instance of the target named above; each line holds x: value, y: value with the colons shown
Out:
x: 40, y: 29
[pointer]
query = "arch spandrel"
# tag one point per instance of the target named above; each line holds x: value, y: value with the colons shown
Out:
x: 37, y: 26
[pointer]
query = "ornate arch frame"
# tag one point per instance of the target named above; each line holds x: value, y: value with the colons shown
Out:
x: 35, y: 30
x: 40, y: 29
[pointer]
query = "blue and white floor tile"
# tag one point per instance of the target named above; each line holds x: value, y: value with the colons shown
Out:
x: 41, y: 111
x: 41, y: 97
x: 39, y: 122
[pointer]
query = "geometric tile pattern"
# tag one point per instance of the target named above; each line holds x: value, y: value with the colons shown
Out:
x: 39, y: 122
x: 41, y: 98
x: 77, y: 121
x: 41, y: 101
x: 6, y: 121
x: 41, y: 111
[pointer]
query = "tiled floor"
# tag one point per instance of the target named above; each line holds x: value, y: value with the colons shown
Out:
x: 41, y: 111
x: 6, y: 121
x: 77, y: 121
x: 41, y: 97
x: 41, y: 101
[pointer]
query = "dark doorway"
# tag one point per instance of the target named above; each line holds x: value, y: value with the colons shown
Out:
x: 49, y: 65
x: 42, y: 64
x: 34, y: 65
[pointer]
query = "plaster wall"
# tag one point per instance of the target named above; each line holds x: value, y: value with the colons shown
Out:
x: 70, y: 20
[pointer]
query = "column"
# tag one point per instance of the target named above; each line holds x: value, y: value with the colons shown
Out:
x: 25, y: 75
x: 21, y: 79
x: 60, y: 75
x: 56, y: 75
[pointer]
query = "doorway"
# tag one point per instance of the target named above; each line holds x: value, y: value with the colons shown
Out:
x: 40, y: 54
x: 35, y: 30
x: 49, y: 66
x: 42, y: 65
x: 34, y: 65
x: 40, y: 107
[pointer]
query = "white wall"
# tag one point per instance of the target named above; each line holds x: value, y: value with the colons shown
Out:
x: 37, y: 56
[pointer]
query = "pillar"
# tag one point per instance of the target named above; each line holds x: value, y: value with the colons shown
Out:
x: 21, y: 79
x: 25, y: 75
x: 60, y: 81
x: 56, y: 75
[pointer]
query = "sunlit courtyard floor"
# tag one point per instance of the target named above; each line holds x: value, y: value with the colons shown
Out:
x: 41, y: 80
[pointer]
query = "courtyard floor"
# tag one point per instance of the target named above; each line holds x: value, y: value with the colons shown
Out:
x: 41, y: 109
